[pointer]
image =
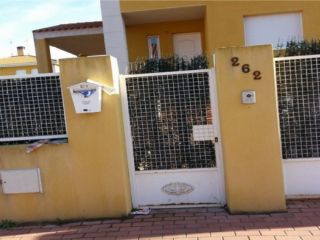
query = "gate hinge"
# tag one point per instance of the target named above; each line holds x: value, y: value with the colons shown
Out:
x: 216, y: 139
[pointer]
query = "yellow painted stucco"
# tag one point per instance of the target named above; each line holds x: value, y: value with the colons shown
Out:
x: 133, y: 5
x: 222, y: 20
x: 5, y: 71
x: 137, y: 36
x: 86, y: 177
x: 250, y: 132
x: 43, y: 55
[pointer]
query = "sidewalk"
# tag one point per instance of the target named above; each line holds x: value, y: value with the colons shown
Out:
x: 302, y: 222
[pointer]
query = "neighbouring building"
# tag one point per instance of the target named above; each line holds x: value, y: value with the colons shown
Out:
x: 22, y: 64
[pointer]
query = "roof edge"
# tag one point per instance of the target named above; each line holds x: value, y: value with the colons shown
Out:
x: 70, y: 26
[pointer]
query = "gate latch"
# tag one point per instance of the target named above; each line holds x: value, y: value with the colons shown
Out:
x: 216, y: 139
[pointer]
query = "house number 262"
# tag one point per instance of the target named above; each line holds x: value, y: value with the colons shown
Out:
x: 245, y: 68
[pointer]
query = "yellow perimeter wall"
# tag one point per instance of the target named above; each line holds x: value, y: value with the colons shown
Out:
x: 250, y: 132
x: 85, y: 178
x: 223, y: 22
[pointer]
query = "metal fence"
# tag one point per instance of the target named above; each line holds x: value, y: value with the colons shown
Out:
x: 298, y: 85
x: 31, y: 108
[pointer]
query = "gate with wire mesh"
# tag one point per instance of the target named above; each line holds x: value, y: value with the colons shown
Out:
x: 171, y: 130
x: 298, y: 83
x: 298, y: 86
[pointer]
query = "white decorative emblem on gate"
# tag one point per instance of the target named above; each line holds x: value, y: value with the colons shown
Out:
x: 177, y: 188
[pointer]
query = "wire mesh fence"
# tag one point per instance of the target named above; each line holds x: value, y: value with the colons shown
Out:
x: 298, y: 84
x: 31, y: 108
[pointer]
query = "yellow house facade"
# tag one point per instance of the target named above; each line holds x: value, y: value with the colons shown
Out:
x: 127, y: 27
x: 191, y: 28
x: 102, y: 171
x: 219, y: 23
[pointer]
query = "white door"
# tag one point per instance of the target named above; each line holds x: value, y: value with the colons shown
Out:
x: 172, y: 138
x: 187, y: 45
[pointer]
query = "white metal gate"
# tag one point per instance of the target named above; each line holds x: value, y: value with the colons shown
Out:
x: 171, y: 128
x: 298, y: 86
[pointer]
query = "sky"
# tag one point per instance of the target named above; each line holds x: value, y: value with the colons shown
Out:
x: 19, y: 17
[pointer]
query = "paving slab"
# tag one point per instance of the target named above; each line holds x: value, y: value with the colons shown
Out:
x: 300, y: 222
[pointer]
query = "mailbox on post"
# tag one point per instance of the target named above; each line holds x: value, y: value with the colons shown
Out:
x: 86, y: 97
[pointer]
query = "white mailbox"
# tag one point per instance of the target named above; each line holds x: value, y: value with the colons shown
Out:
x: 86, y: 97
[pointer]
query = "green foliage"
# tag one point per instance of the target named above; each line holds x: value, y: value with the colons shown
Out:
x: 299, y: 48
x: 169, y: 64
x: 5, y: 224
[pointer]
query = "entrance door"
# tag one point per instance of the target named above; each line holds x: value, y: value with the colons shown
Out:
x: 187, y: 45
x: 171, y: 132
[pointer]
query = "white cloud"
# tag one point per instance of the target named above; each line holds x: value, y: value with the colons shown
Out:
x: 43, y: 12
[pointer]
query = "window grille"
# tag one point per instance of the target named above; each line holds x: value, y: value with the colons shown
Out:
x: 298, y: 83
x: 163, y: 110
x: 31, y: 108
